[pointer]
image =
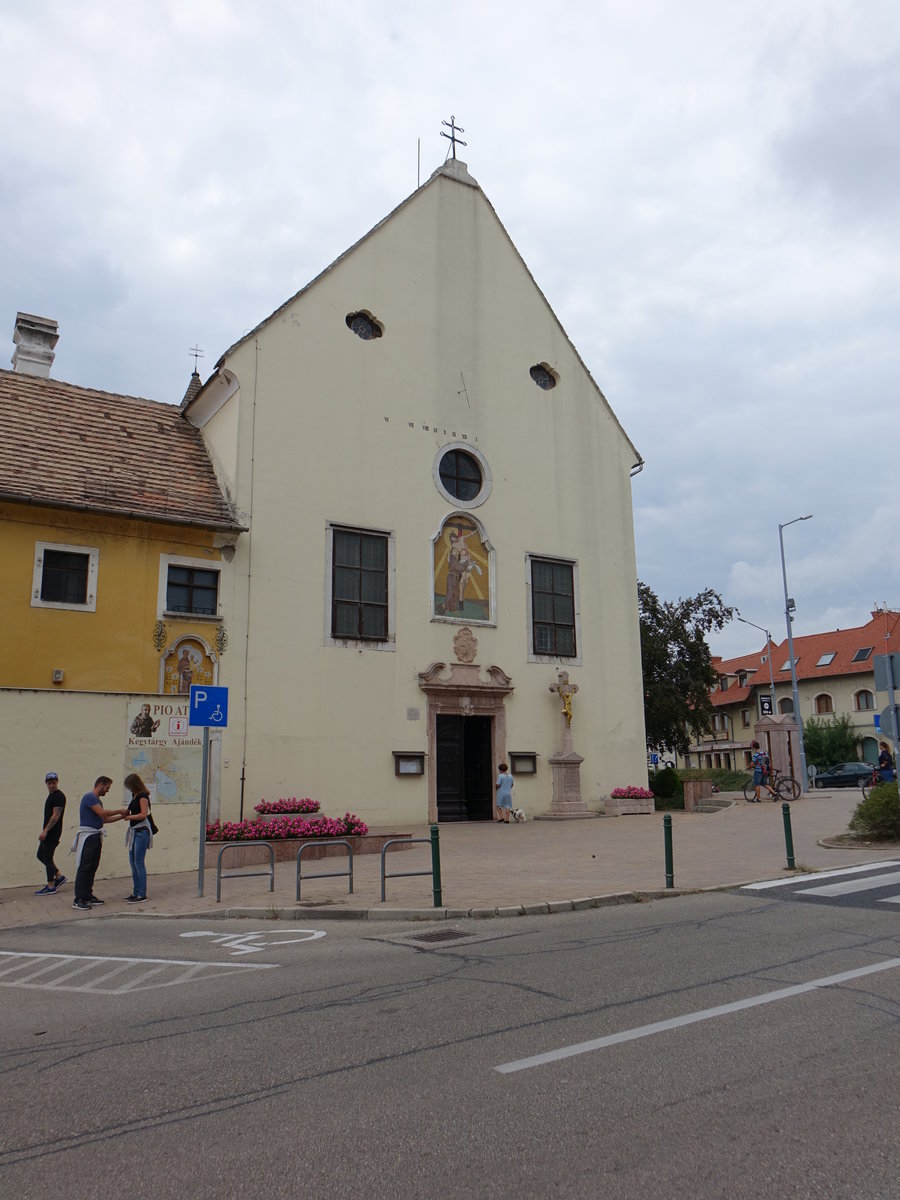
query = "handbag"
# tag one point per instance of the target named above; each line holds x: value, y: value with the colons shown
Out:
x: 154, y: 828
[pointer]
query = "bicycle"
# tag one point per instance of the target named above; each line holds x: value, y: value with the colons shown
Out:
x: 867, y: 783
x: 780, y: 787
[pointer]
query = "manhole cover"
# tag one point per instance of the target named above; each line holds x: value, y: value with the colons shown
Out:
x: 438, y: 935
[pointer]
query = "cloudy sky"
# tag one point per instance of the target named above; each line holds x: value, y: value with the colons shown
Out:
x: 707, y: 192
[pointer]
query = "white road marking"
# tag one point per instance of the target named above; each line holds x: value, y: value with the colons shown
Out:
x: 773, y: 883
x: 852, y: 885
x: 890, y: 900
x: 706, y: 1014
x: 246, y: 943
x: 79, y: 972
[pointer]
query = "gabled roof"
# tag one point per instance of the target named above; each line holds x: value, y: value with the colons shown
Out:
x: 881, y: 635
x: 456, y: 171
x: 77, y: 448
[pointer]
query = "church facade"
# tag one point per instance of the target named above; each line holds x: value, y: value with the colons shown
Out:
x: 438, y: 504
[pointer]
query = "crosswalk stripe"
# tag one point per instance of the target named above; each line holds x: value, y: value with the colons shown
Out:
x: 850, y: 886
x: 773, y: 883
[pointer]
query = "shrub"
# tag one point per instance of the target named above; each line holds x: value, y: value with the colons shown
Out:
x: 665, y: 784
x: 879, y: 816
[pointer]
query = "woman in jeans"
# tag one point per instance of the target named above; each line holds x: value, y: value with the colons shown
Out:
x: 139, y: 837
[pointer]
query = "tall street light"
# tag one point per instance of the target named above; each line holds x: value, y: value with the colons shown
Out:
x: 788, y: 619
x: 768, y: 655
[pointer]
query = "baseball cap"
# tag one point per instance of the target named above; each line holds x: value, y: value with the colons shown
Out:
x: 51, y: 775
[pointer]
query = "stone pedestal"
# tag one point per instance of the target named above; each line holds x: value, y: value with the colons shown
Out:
x: 566, y: 774
x: 696, y: 793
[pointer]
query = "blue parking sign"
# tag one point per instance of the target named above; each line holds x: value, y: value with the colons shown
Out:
x: 208, y: 706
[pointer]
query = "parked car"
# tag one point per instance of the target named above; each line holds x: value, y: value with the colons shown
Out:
x: 848, y: 774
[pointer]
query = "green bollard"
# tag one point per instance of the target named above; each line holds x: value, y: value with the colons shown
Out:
x: 436, y: 867
x: 667, y: 837
x: 788, y: 838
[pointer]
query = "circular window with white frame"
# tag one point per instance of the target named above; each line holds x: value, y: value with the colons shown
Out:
x: 461, y: 475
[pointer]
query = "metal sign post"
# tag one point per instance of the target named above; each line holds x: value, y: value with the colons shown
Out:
x: 887, y: 677
x: 207, y: 707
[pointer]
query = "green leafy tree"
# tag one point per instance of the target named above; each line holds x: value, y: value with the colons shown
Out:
x: 829, y: 742
x: 677, y: 664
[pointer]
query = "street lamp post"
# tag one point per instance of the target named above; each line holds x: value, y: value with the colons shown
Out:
x: 788, y: 619
x: 768, y: 655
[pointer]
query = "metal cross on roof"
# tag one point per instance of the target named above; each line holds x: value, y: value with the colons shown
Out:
x: 197, y: 353
x: 454, y: 130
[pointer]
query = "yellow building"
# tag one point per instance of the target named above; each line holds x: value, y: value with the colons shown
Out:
x: 115, y: 541
x: 113, y: 526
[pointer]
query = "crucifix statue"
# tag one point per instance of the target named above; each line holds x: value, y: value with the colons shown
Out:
x: 566, y: 691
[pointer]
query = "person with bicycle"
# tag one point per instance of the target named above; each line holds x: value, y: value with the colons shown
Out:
x: 760, y: 764
x: 885, y: 763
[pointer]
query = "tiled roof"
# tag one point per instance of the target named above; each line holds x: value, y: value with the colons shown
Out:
x: 808, y: 649
x: 74, y: 447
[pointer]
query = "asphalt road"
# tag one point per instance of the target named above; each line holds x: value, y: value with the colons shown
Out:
x: 711, y: 1046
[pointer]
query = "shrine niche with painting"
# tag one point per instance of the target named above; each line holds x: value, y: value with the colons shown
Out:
x: 462, y: 577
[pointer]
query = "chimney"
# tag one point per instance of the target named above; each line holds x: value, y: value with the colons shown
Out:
x: 35, y: 339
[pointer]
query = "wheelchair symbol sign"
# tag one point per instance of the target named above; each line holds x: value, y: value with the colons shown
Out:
x: 208, y: 706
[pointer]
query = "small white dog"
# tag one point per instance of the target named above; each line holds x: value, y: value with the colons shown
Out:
x: 519, y: 815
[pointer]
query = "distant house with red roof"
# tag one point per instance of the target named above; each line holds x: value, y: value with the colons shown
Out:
x: 835, y: 677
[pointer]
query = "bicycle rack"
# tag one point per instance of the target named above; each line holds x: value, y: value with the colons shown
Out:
x: 401, y: 874
x: 269, y: 870
x: 326, y: 874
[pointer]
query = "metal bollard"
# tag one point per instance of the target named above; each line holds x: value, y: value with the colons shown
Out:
x: 788, y: 838
x: 436, y: 867
x: 667, y: 837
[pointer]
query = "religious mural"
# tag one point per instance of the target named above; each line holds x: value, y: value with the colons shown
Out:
x: 462, y: 587
x: 187, y: 662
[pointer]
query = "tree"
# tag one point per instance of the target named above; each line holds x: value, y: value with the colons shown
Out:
x: 677, y: 664
x: 829, y: 742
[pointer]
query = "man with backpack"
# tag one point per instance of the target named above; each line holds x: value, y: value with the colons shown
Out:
x: 761, y: 766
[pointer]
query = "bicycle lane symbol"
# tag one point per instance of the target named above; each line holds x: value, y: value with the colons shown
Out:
x: 251, y: 943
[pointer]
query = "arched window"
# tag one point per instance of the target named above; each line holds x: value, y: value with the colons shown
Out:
x: 864, y: 700
x: 823, y: 703
x: 786, y: 705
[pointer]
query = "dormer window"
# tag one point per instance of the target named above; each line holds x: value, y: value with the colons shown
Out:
x: 723, y: 683
x: 742, y: 678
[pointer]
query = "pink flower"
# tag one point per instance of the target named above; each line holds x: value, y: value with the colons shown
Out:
x: 631, y: 793
x: 286, y: 827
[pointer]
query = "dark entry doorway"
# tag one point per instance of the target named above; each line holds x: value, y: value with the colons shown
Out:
x: 464, y: 769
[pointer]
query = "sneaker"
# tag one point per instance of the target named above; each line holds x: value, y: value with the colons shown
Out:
x: 137, y: 899
x: 81, y: 905
x: 57, y: 883
x: 96, y: 899
x: 131, y: 897
x: 47, y: 890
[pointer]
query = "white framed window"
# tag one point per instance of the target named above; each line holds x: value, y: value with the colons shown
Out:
x: 461, y: 474
x: 189, y: 588
x: 65, y: 577
x: 553, y: 609
x: 359, y: 587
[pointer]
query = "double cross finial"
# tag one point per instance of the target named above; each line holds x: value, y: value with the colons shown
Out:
x: 197, y: 353
x: 454, y: 130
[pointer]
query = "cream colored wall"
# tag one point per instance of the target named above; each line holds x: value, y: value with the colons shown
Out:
x: 110, y: 648
x: 347, y: 431
x: 80, y: 736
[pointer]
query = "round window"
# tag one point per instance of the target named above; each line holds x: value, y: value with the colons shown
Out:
x: 460, y: 475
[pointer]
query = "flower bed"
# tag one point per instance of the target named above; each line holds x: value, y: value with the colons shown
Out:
x: 631, y: 793
x: 284, y: 807
x: 286, y: 827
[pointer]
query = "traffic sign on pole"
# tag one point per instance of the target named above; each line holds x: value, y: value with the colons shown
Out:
x: 208, y: 706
